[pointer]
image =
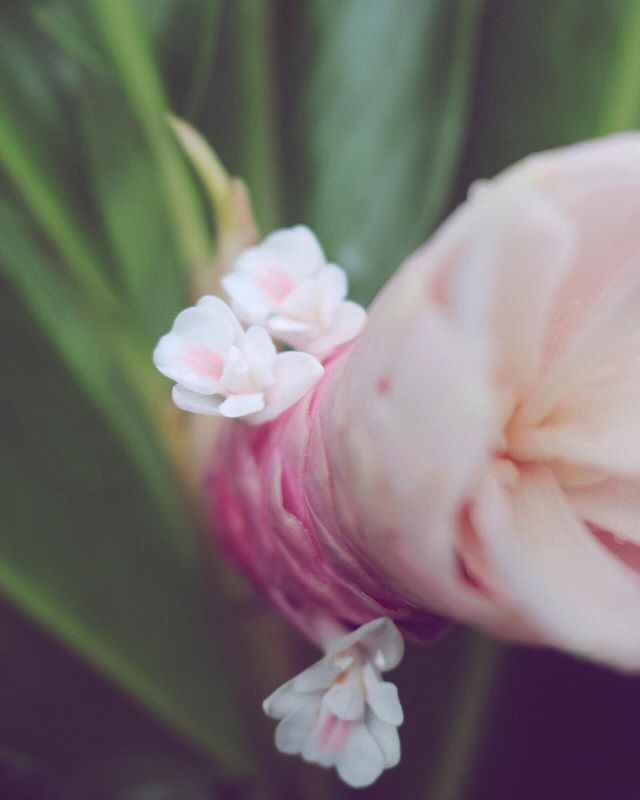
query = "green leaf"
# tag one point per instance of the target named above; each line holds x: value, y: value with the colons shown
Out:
x: 37, y: 172
x: 386, y: 108
x: 87, y: 550
x: 128, y: 193
x: 129, y: 52
x: 552, y: 74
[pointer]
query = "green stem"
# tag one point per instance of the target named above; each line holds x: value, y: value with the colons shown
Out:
x: 622, y: 112
x: 470, y: 708
x: 254, y: 42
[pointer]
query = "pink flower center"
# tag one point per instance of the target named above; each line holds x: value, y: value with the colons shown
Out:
x: 204, y: 362
x: 275, y: 282
x: 333, y: 734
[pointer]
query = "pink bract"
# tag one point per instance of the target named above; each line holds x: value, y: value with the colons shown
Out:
x: 475, y: 455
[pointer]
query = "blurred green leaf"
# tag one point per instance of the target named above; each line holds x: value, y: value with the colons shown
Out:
x: 386, y: 110
x: 35, y: 170
x: 128, y: 49
x: 87, y: 553
x: 129, y: 195
x: 551, y: 74
x: 60, y: 718
x: 96, y: 545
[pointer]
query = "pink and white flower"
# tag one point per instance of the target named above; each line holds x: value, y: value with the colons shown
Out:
x: 339, y: 712
x: 285, y: 284
x: 222, y: 371
x: 475, y: 454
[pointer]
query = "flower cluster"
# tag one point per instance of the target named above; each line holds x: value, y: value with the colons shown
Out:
x: 339, y: 712
x: 284, y: 289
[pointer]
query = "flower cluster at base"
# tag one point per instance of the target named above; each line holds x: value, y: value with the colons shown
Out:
x: 284, y: 289
x: 339, y: 712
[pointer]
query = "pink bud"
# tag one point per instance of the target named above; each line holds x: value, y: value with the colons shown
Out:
x: 475, y: 455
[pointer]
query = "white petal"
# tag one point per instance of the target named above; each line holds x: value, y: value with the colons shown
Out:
x: 326, y: 741
x: 193, y: 353
x: 195, y: 366
x: 296, y: 250
x: 236, y: 376
x: 382, y: 697
x: 295, y: 729
x: 348, y: 320
x: 381, y: 639
x: 281, y: 326
x: 248, y: 300
x: 241, y: 405
x: 303, y: 303
x: 361, y: 761
x: 318, y: 676
x: 386, y: 737
x: 346, y: 699
x: 260, y: 348
x: 285, y: 700
x: 332, y: 285
x: 196, y: 403
x: 294, y: 375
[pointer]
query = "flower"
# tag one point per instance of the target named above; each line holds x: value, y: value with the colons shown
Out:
x: 221, y: 370
x: 475, y: 454
x: 339, y: 712
x: 285, y: 284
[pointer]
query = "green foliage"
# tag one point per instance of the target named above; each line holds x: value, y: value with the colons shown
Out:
x: 385, y: 117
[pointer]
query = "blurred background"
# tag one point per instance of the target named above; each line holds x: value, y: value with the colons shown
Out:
x: 132, y: 662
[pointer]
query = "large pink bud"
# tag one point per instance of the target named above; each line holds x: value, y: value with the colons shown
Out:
x: 475, y: 455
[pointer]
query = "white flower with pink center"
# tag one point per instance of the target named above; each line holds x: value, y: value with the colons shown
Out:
x: 285, y: 284
x: 221, y: 370
x: 339, y: 712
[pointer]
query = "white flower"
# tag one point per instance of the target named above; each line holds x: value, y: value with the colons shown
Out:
x: 221, y: 370
x: 285, y: 284
x: 340, y: 712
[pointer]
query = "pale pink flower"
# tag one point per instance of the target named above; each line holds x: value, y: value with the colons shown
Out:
x: 475, y: 455
x: 285, y: 284
x: 221, y: 370
x: 339, y: 712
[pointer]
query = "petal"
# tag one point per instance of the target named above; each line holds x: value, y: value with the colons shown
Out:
x: 386, y: 737
x: 285, y: 700
x: 345, y: 699
x: 327, y: 739
x: 281, y: 327
x: 296, y: 250
x: 382, y: 697
x: 348, y: 320
x: 380, y: 638
x: 294, y: 730
x: 562, y: 579
x: 241, y: 405
x: 196, y: 403
x: 303, y: 303
x: 248, y: 300
x: 294, y: 375
x: 361, y: 760
x: 598, y: 184
x: 192, y: 354
x: 260, y: 349
x: 332, y: 285
x: 523, y: 251
x: 613, y: 505
x: 595, y: 424
x: 316, y: 677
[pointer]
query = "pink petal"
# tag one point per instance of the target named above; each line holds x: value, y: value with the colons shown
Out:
x: 613, y: 505
x: 580, y: 596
